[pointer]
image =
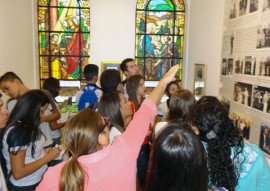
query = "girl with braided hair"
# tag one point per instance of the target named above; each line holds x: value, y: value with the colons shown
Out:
x: 232, y: 164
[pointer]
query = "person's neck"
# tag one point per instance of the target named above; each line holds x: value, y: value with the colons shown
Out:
x: 139, y: 98
x: 126, y: 121
x: 23, y: 89
x: 91, y: 82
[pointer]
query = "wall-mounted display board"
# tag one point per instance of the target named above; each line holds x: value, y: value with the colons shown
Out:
x: 245, y: 68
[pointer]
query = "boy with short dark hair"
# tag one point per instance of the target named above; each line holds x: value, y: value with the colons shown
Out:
x: 129, y: 68
x: 13, y: 86
x: 110, y: 81
x: 90, y: 95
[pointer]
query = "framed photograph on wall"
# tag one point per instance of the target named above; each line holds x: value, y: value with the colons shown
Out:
x: 105, y: 65
x: 200, y: 72
x: 264, y: 142
x: 199, y: 80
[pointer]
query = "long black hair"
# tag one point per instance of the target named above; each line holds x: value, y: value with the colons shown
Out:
x: 217, y: 129
x: 25, y: 118
x: 109, y: 106
x: 52, y: 85
x: 177, y: 161
x: 133, y: 83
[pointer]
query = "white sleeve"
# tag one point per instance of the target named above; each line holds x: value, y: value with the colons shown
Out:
x: 78, y: 96
x: 161, y: 109
x: 99, y: 93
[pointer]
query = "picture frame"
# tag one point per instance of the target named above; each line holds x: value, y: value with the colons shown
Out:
x: 105, y: 65
x: 264, y: 136
x: 199, y: 80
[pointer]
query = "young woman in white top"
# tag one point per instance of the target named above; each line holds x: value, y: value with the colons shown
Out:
x: 115, y: 106
x: 22, y: 142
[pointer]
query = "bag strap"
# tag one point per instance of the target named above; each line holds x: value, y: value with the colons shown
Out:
x: 87, y: 88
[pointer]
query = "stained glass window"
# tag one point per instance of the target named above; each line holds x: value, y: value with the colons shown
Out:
x: 64, y: 38
x: 159, y: 36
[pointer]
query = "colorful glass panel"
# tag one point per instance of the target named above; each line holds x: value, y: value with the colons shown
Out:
x: 140, y: 64
x: 161, y: 5
x: 159, y: 36
x: 64, y: 38
x: 139, y: 41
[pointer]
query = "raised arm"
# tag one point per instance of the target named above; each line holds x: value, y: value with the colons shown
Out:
x: 157, y: 93
x: 55, y: 114
x: 138, y: 127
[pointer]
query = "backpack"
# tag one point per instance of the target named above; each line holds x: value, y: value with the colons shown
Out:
x: 88, y: 98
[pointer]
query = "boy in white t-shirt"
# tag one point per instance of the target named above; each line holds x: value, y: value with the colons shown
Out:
x: 91, y: 75
x: 13, y: 86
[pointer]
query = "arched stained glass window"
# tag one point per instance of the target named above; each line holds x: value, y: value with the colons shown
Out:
x: 159, y: 36
x: 64, y: 38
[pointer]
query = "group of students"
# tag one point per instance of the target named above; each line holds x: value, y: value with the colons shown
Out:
x: 196, y: 147
x: 29, y: 137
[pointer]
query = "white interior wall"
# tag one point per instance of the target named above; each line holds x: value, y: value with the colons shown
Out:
x: 205, y: 42
x: 16, y: 44
x: 112, y: 30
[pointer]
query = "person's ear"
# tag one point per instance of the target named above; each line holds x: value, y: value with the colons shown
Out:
x: 119, y: 87
x: 17, y: 81
x: 101, y: 139
x: 126, y: 73
x: 95, y: 78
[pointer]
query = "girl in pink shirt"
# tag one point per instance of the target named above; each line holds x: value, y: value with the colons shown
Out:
x: 96, y: 165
